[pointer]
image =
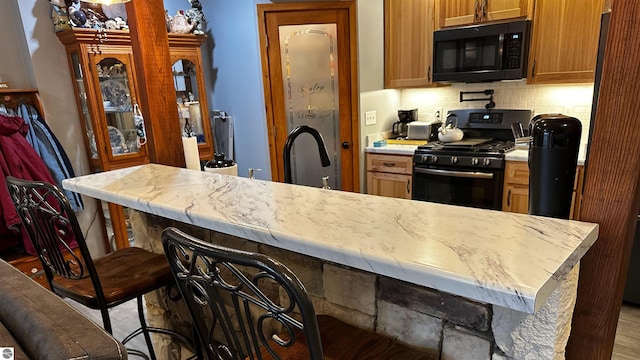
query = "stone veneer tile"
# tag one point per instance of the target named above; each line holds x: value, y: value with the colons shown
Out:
x: 410, y: 327
x: 351, y: 288
x: 459, y: 343
x: 233, y: 242
x: 456, y: 309
x: 542, y: 335
x: 497, y: 356
x: 349, y: 316
x: 147, y: 228
x: 306, y: 268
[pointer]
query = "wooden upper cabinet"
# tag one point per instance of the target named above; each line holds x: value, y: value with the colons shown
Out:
x: 464, y: 12
x: 564, y: 41
x: 408, y: 42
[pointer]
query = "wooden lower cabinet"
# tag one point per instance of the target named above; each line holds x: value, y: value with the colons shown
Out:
x: 389, y: 175
x: 390, y: 185
x: 515, y: 196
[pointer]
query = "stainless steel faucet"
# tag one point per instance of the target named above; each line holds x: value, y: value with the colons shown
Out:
x: 322, y: 149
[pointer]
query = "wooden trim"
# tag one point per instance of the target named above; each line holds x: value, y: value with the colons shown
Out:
x: 93, y: 36
x: 150, y: 43
x: 352, y: 89
x: 266, y: 82
x: 186, y: 40
x: 355, y: 96
x: 611, y: 192
x: 11, y: 97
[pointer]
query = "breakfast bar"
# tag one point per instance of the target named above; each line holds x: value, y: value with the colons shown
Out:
x: 522, y: 269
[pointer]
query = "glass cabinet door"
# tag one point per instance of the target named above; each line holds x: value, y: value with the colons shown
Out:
x: 117, y: 104
x: 90, y: 139
x: 188, y: 99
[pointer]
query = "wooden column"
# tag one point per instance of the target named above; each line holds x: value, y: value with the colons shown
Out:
x: 611, y: 194
x: 157, y: 97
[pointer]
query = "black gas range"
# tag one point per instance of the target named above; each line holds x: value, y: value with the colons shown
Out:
x: 469, y: 172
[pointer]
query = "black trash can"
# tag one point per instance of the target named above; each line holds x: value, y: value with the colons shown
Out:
x: 553, y: 157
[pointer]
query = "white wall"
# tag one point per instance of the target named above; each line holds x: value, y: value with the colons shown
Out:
x: 43, y: 65
x: 234, y: 77
x: 13, y: 68
x: 373, y: 96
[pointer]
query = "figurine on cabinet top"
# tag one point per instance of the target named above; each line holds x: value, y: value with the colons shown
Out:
x: 179, y: 23
x: 196, y: 17
x: 60, y: 13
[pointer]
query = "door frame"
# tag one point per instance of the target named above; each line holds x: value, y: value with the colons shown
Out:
x: 274, y: 155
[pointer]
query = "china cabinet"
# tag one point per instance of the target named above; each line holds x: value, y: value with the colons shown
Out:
x: 188, y: 80
x: 103, y: 72
x: 464, y: 12
x: 389, y: 175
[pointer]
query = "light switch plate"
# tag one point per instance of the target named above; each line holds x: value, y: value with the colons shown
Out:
x: 370, y: 117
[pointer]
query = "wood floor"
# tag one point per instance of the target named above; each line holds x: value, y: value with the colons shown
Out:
x: 627, y: 345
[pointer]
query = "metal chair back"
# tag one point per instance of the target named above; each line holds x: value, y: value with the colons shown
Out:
x: 53, y: 227
x: 234, y: 295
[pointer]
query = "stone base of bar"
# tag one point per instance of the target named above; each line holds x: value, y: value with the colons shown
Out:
x: 447, y: 326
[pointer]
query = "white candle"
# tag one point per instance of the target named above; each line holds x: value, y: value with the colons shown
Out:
x: 191, y: 155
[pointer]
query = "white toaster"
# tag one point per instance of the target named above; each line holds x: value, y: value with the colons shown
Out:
x: 422, y: 130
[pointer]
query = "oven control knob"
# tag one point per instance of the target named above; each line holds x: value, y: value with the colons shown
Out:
x: 454, y: 159
x: 474, y: 161
x: 486, y: 162
x: 434, y: 159
x: 424, y: 159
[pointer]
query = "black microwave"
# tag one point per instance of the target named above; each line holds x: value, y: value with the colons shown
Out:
x: 478, y: 53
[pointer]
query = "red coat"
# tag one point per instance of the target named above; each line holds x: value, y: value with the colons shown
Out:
x: 18, y: 159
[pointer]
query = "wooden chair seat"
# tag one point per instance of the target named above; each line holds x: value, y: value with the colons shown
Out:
x: 341, y: 341
x: 231, y: 291
x: 101, y: 283
x: 124, y: 275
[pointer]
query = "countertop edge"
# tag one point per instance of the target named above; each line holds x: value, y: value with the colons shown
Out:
x: 523, y: 300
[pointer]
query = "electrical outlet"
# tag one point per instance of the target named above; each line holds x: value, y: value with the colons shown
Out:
x: 438, y: 115
x: 370, y: 117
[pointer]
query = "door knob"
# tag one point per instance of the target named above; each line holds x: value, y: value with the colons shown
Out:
x: 345, y: 145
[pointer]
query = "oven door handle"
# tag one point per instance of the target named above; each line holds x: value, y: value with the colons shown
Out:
x: 464, y: 174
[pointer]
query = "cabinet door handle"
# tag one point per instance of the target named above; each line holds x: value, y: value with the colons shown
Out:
x: 476, y: 12
x: 484, y: 10
x: 509, y: 197
x: 429, y: 74
x: 408, y: 186
x: 533, y: 69
x: 389, y: 164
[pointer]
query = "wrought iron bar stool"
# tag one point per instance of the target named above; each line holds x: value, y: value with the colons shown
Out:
x: 100, y: 283
x: 258, y: 309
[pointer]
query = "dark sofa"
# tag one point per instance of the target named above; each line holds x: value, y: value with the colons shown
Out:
x: 40, y: 325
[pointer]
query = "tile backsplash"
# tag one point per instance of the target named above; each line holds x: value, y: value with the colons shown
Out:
x: 571, y: 100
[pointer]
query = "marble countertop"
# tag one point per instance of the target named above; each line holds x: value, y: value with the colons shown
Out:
x: 392, y: 149
x: 506, y: 259
x: 515, y: 155
x: 523, y: 155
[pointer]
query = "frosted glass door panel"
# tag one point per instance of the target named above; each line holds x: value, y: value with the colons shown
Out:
x: 310, y: 78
